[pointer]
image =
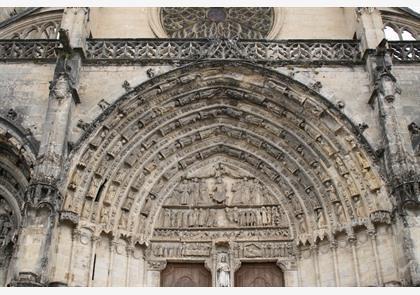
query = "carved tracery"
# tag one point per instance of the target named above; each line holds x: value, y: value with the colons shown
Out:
x: 217, y: 22
x: 43, y: 24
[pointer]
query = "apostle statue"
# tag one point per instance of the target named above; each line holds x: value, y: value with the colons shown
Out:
x: 223, y: 272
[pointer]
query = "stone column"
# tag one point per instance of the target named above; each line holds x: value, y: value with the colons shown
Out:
x: 352, y: 242
x: 315, y: 250
x: 372, y: 237
x: 129, y: 253
x: 43, y: 199
x: 290, y: 272
x: 399, y: 162
x: 154, y: 269
x: 113, y: 245
x: 403, y: 176
x: 369, y: 27
x: 333, y: 247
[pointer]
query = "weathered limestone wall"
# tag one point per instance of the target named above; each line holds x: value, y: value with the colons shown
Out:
x: 84, y: 260
x: 24, y: 88
x: 367, y: 260
x: 297, y: 23
x: 408, y: 77
x: 119, y: 22
x: 315, y: 23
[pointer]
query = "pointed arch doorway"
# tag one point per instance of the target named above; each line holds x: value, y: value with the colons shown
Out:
x: 260, y: 274
x: 185, y: 275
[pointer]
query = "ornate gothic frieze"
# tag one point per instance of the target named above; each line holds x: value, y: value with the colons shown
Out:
x: 169, y: 51
x: 29, y: 50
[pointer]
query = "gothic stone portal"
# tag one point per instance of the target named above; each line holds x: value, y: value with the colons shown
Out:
x: 223, y: 216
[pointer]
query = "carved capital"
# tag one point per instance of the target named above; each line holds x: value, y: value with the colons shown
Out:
x: 380, y: 216
x: 27, y: 279
x: 372, y: 234
x: 156, y: 265
x: 333, y: 244
x: 352, y: 239
x: 314, y: 249
x: 69, y: 216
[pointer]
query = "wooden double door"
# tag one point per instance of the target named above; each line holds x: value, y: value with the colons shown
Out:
x: 259, y: 275
x: 196, y: 275
x: 185, y: 275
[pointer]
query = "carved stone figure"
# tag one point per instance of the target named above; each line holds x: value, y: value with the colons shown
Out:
x: 211, y: 220
x: 277, y: 218
x: 105, y: 214
x: 358, y: 207
x: 320, y: 219
x: 6, y: 222
x: 301, y: 224
x: 203, y: 192
x: 341, y: 168
x: 325, y: 146
x: 117, y: 147
x: 339, y: 211
x: 223, y: 272
x: 86, y: 209
x: 363, y: 162
x: 240, y: 189
x: 111, y: 194
x: 184, y: 190
x: 123, y: 220
x: 351, y: 186
x: 93, y: 187
x: 371, y: 179
x: 331, y: 192
x: 195, y: 189
x: 99, y: 138
x: 219, y: 192
x: 147, y: 205
x: 167, y: 218
x: 202, y: 214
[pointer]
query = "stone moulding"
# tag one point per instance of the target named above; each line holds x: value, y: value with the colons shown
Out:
x: 168, y: 50
x: 188, y: 50
x: 164, y: 51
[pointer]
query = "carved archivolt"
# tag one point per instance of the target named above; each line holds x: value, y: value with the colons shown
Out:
x: 16, y: 159
x: 176, y: 152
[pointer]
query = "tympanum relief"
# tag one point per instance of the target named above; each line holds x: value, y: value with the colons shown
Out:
x: 217, y: 202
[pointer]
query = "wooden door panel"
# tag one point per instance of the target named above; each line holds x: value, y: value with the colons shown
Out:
x: 259, y: 275
x: 185, y: 275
